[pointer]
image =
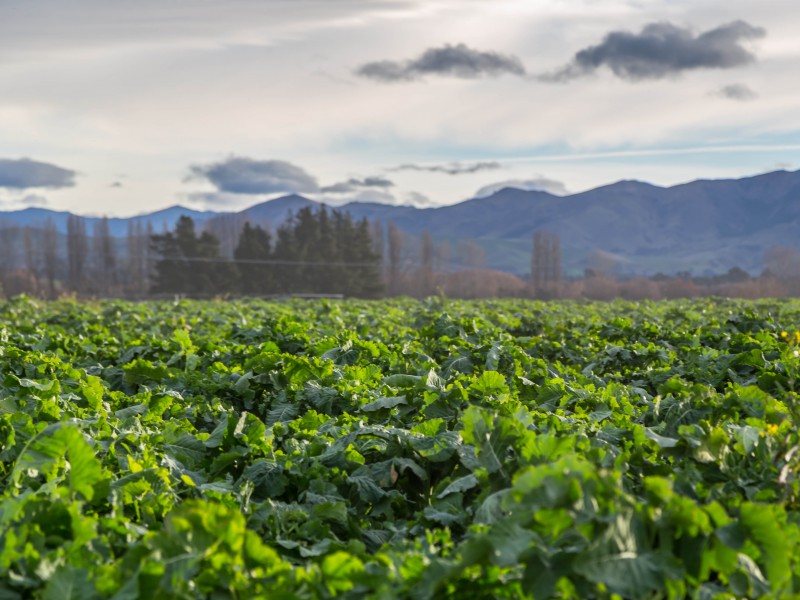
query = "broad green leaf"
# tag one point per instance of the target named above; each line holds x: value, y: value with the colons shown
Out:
x: 382, y: 403
x: 339, y: 570
x: 61, y: 445
x: 186, y: 448
x: 68, y: 583
x: 282, y: 413
x: 461, y: 484
x: 662, y: 441
x: 490, y: 384
x: 765, y: 526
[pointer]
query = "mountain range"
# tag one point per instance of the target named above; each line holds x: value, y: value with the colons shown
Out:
x: 704, y: 227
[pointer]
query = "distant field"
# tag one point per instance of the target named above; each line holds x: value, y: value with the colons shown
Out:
x: 399, y: 449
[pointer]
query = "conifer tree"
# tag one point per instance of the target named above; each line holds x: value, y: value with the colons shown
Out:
x: 189, y: 264
x: 254, y: 245
x: 370, y: 284
x: 285, y: 250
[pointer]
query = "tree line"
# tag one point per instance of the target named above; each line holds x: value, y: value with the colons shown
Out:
x: 324, y: 251
x: 319, y: 251
x: 313, y: 252
x: 45, y: 262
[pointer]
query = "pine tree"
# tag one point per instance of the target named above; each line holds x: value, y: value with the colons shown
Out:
x: 286, y: 275
x: 346, y: 240
x: 254, y: 245
x: 327, y: 252
x: 370, y: 284
x: 189, y: 264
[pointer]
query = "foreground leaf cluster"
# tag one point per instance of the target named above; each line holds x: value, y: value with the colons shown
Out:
x: 399, y: 449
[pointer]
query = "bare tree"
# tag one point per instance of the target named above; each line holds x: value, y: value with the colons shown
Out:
x: 443, y: 253
x: 555, y: 259
x: 783, y: 263
x: 6, y: 249
x: 425, y: 272
x: 105, y: 256
x: 396, y: 244
x: 471, y: 254
x: 600, y: 264
x: 77, y: 251
x: 377, y: 237
x: 50, y: 256
x: 546, y: 269
x: 31, y: 251
x: 137, y: 246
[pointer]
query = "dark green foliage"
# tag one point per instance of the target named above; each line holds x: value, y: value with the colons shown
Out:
x: 399, y: 449
x: 257, y: 278
x: 326, y: 254
x: 191, y: 264
x: 315, y: 252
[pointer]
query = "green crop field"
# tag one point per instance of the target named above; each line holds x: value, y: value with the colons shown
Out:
x: 399, y: 449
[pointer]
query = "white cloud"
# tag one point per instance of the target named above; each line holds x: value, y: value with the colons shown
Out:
x: 147, y: 89
x: 541, y: 184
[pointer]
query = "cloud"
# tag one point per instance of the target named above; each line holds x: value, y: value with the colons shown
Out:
x: 223, y: 201
x: 737, y: 91
x: 34, y: 200
x: 352, y: 185
x: 449, y: 61
x: 419, y: 200
x: 454, y: 168
x: 381, y: 197
x: 662, y: 50
x: 240, y: 175
x: 116, y: 184
x: 375, y: 195
x: 25, y: 173
x: 539, y: 184
x: 16, y: 200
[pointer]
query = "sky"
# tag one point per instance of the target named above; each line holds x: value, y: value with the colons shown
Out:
x: 120, y: 108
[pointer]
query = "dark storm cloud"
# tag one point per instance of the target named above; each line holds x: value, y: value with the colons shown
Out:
x: 661, y: 50
x: 737, y: 91
x: 239, y: 175
x: 451, y: 61
x: 455, y: 168
x: 25, y: 173
x: 352, y: 185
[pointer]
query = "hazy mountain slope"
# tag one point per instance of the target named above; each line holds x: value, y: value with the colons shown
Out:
x: 704, y: 226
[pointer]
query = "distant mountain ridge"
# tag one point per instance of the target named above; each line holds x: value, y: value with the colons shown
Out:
x: 705, y: 226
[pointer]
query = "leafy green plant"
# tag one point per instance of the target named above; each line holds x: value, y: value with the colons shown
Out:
x: 399, y: 449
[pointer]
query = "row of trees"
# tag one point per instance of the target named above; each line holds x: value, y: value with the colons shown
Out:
x: 326, y: 252
x: 314, y: 252
x: 42, y: 261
